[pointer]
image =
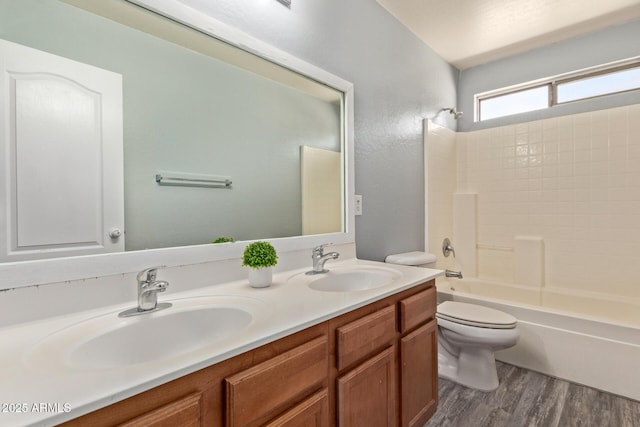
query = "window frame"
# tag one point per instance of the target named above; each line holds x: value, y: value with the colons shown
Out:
x: 552, y: 84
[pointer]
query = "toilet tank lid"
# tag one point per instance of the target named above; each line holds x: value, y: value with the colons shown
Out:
x: 411, y: 258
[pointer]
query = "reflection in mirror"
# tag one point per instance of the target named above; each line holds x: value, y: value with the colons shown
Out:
x: 189, y: 113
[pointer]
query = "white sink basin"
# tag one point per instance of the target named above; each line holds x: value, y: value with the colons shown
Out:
x: 190, y: 325
x: 353, y: 279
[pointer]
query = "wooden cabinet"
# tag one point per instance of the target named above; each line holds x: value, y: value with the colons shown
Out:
x: 275, y: 384
x: 281, y: 381
x: 386, y: 361
x: 373, y: 366
x: 365, y: 368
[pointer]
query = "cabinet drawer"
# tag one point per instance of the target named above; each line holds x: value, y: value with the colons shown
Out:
x: 312, y: 412
x: 417, y: 309
x: 276, y: 383
x: 183, y: 412
x: 363, y: 337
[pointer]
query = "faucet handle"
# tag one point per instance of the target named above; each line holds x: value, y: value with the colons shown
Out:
x: 447, y: 249
x: 319, y: 250
x: 149, y: 274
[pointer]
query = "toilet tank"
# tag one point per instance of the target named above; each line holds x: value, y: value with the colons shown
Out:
x: 416, y: 258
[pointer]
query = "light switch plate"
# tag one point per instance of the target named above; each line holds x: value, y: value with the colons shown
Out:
x: 358, y: 203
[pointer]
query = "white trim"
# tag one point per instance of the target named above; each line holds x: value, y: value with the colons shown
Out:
x: 29, y: 273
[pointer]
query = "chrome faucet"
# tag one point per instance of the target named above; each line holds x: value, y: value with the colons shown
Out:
x: 319, y: 258
x: 148, y: 288
x: 451, y: 273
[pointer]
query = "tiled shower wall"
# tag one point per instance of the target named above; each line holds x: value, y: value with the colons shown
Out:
x: 440, y: 158
x: 572, y: 180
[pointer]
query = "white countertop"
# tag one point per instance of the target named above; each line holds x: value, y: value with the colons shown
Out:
x: 39, y: 388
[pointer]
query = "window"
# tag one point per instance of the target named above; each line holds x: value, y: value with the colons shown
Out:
x: 604, y: 80
x: 522, y: 101
x: 599, y: 85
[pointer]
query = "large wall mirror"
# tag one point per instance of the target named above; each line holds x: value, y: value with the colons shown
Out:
x: 247, y: 143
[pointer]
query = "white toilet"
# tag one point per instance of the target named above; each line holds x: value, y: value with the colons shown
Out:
x: 468, y: 337
x: 468, y: 334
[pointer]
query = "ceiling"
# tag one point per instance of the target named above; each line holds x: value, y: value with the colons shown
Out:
x: 467, y: 33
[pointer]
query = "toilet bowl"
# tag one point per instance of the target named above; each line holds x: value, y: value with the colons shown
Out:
x: 468, y: 335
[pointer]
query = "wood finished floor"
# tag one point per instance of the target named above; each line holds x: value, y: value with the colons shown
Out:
x: 529, y: 399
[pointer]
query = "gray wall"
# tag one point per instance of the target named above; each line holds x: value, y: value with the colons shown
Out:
x: 398, y: 82
x: 597, y: 48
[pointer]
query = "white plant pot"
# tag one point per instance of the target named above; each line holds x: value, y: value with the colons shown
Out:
x: 260, y: 277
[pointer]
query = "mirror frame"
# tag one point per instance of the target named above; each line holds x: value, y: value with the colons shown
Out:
x: 37, y: 272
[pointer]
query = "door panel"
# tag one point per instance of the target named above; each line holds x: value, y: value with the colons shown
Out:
x: 61, y: 146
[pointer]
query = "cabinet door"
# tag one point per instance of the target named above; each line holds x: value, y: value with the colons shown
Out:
x: 312, y: 412
x: 366, y: 394
x: 419, y: 375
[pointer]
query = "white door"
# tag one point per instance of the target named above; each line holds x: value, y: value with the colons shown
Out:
x: 61, y: 184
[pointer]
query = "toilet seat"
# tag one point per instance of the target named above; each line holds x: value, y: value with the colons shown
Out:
x: 475, y: 315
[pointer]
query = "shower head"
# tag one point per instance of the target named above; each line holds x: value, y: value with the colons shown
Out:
x: 455, y: 113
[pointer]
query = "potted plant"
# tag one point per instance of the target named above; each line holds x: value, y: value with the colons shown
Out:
x: 223, y: 239
x: 261, y: 257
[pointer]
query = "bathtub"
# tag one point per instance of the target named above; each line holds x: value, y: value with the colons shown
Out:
x: 582, y: 338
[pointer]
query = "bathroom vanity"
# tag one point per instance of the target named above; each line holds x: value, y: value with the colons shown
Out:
x: 355, y: 345
x: 375, y: 365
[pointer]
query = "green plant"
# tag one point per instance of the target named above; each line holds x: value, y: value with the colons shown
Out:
x: 223, y: 239
x: 259, y: 254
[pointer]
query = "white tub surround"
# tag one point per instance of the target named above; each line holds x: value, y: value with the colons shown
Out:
x: 571, y: 181
x: 287, y: 306
x: 553, y: 197
x: 576, y: 337
x: 529, y: 260
x: 465, y: 207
